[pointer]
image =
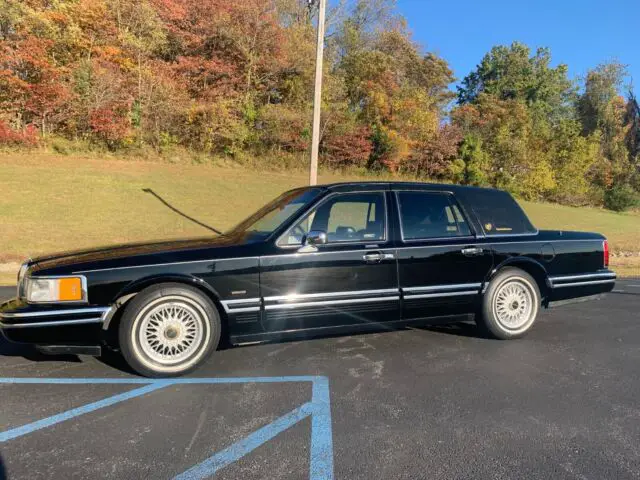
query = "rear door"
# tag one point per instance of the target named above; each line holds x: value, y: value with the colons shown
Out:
x: 441, y: 267
x: 351, y: 280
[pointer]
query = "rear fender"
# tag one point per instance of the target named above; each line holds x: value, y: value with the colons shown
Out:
x: 532, y: 267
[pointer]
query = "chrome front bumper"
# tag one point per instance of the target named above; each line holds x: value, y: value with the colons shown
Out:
x: 53, y: 317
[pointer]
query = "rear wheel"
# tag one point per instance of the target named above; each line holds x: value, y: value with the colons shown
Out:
x: 510, y: 304
x: 168, y: 330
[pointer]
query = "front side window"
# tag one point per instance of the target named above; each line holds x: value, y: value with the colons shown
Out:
x: 426, y: 215
x: 262, y: 223
x: 349, y: 217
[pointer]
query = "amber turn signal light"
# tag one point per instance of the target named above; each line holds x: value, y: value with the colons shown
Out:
x: 70, y: 289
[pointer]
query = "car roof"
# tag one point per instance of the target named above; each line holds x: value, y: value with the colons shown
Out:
x: 385, y: 185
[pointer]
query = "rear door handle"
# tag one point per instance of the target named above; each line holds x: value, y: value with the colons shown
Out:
x: 472, y: 251
x: 377, y: 257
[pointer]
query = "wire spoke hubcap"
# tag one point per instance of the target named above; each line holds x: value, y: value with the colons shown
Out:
x: 513, y: 305
x: 171, y: 332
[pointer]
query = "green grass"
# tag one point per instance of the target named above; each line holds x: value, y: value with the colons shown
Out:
x: 50, y: 203
x: 622, y: 229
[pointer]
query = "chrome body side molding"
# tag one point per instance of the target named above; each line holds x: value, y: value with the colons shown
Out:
x: 564, y: 281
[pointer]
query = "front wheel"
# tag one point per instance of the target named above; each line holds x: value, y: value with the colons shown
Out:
x: 510, y: 304
x: 168, y: 330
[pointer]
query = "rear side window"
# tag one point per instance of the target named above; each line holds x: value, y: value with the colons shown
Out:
x: 426, y: 215
x: 499, y: 213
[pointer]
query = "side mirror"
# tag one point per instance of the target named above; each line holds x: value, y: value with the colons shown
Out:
x: 311, y: 241
x: 315, y: 237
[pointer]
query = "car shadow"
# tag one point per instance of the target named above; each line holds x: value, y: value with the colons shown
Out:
x: 460, y: 329
x: 116, y: 361
x: 3, y: 471
x: 29, y: 352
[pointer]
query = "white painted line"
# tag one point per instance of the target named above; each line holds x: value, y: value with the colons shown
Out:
x: 618, y: 291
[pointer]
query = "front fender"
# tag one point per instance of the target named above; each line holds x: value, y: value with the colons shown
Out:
x: 144, y: 282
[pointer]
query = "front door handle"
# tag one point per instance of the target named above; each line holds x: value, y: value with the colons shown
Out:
x: 377, y: 257
x: 472, y: 251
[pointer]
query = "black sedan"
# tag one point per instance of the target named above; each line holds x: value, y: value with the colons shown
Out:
x: 329, y: 259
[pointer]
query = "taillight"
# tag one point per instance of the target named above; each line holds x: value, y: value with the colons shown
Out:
x: 605, y: 250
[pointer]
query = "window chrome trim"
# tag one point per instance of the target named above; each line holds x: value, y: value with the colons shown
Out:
x: 435, y: 239
x: 443, y: 294
x: 321, y: 303
x: 324, y: 199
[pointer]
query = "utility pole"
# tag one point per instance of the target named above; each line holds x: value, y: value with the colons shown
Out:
x: 317, y: 98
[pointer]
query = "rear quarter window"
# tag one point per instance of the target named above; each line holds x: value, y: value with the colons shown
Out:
x: 499, y: 213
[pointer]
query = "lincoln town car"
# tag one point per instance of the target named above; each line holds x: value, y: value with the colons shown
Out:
x: 332, y: 259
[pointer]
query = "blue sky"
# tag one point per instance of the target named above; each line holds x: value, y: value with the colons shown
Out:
x: 580, y: 33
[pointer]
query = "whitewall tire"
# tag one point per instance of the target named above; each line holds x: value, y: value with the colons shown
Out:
x: 168, y: 330
x: 510, y: 304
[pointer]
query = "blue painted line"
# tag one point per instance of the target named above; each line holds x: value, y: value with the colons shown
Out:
x: 321, y: 461
x: 241, y: 448
x: 69, y: 414
x: 321, y: 451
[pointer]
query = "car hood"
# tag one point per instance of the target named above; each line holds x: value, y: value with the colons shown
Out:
x: 144, y: 252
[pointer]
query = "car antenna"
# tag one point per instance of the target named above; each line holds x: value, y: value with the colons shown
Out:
x: 148, y: 190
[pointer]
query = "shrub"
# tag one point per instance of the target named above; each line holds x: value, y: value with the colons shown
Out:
x: 620, y: 197
x: 351, y: 149
x: 109, y: 125
x: 27, y: 137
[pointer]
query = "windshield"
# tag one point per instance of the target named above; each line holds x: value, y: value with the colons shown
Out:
x: 266, y: 220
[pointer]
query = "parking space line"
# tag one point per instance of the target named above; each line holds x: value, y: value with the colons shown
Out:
x: 75, y: 412
x: 239, y: 449
x: 321, y: 467
x: 321, y: 451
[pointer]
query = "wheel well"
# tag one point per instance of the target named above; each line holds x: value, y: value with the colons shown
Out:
x: 123, y: 301
x: 538, y: 273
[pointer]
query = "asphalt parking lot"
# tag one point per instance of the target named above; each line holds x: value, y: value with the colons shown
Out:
x: 436, y: 403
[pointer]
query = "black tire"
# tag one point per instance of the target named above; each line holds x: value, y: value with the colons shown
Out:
x: 178, y: 321
x: 510, y: 304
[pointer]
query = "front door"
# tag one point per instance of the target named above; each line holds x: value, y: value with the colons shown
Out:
x: 441, y: 267
x: 350, y: 280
